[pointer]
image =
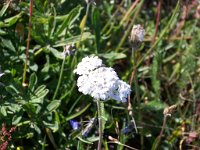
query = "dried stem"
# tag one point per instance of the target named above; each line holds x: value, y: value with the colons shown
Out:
x: 157, y: 20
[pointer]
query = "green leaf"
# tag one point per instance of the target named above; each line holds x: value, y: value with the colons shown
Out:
x: 3, y: 10
x: 154, y: 105
x: 113, y: 55
x: 37, y: 99
x: 32, y: 81
x: 176, y: 71
x: 52, y: 23
x: 155, y: 74
x: 93, y: 138
x: 78, y: 113
x: 34, y: 67
x: 2, y: 32
x: 8, y: 44
x: 36, y: 128
x: 84, y: 140
x: 96, y: 26
x: 69, y: 20
x: 12, y: 20
x: 3, y: 111
x: 30, y: 109
x: 40, y: 90
x: 12, y: 90
x: 39, y: 94
x: 56, y: 53
x: 82, y: 24
x: 53, y: 105
x: 52, y: 126
x: 46, y: 65
x: 16, y: 119
x: 74, y: 39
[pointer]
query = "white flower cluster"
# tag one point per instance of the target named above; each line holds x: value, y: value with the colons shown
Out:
x: 87, y: 65
x: 100, y: 82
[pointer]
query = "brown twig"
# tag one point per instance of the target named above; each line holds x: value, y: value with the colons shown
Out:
x: 28, y: 42
x: 129, y: 97
x: 157, y: 21
x: 156, y: 29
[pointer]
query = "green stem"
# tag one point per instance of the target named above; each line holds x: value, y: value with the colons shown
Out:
x: 100, y: 124
x: 60, y: 78
x: 138, y: 96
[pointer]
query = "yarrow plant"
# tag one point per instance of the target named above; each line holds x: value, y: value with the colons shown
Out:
x: 102, y: 83
x: 136, y: 39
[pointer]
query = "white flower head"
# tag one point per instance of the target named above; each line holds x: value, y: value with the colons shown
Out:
x: 101, y: 82
x: 87, y: 65
x: 137, y: 33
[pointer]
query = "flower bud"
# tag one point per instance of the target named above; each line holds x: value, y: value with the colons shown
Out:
x: 137, y: 34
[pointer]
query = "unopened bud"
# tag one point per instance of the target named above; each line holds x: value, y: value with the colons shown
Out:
x: 137, y: 34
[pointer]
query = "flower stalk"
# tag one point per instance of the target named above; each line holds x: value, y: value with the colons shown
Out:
x: 138, y: 95
x: 65, y: 52
x: 60, y: 79
x: 136, y: 38
x: 100, y: 124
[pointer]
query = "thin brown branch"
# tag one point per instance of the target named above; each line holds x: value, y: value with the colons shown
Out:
x: 28, y: 43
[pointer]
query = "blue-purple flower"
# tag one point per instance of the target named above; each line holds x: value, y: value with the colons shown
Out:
x: 74, y: 124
